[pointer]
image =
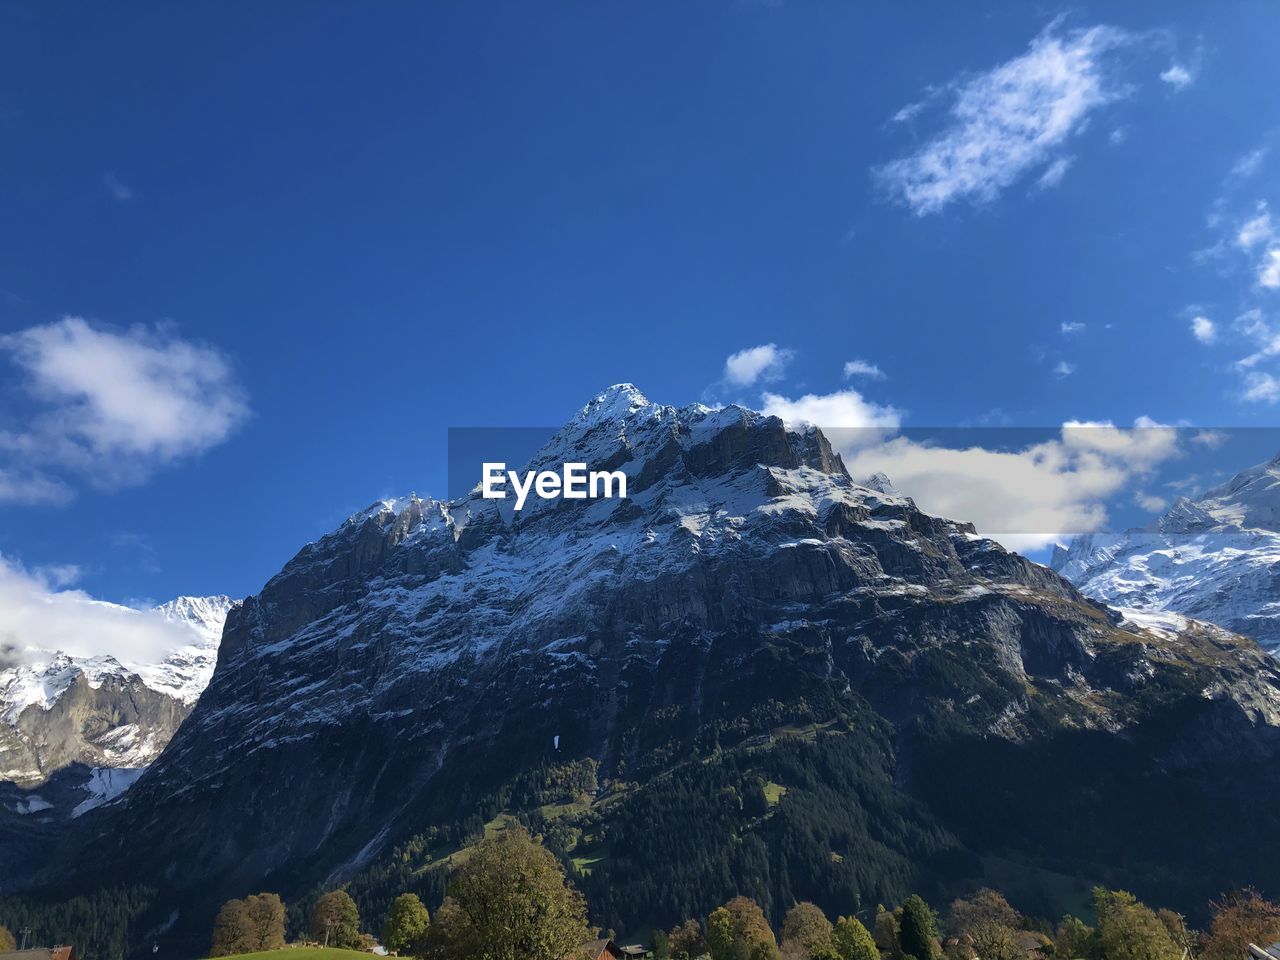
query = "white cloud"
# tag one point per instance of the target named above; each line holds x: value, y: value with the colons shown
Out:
x: 1006, y: 122
x: 1256, y: 230
x: 843, y: 409
x: 1149, y: 501
x: 1209, y: 439
x: 1250, y: 163
x: 1252, y: 324
x: 24, y: 486
x: 120, y: 192
x: 861, y: 368
x: 1261, y: 387
x: 1064, y: 369
x: 909, y: 112
x: 1178, y: 76
x: 1054, y: 173
x: 1204, y: 329
x: 1269, y: 269
x: 1266, y: 339
x: 1026, y: 498
x: 763, y: 362
x: 38, y: 615
x: 1118, y: 136
x: 1068, y: 328
x: 114, y: 406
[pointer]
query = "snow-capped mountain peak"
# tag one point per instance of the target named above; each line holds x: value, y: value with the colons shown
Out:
x: 1215, y: 558
x: 105, y: 709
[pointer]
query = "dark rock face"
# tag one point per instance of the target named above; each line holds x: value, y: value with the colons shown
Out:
x: 424, y: 654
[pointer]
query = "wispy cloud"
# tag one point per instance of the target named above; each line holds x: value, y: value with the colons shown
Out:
x: 120, y: 191
x: 861, y: 368
x: 1054, y: 173
x: 1149, y: 501
x: 1261, y: 387
x: 1011, y: 120
x: 1071, y: 327
x: 1178, y: 76
x: 1269, y: 269
x: 111, y: 406
x: 1250, y: 163
x: 1064, y: 369
x: 1256, y: 230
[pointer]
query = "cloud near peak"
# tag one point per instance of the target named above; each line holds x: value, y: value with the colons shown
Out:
x: 765, y: 362
x: 40, y: 615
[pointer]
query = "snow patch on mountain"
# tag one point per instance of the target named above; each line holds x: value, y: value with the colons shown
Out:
x: 105, y: 785
x: 1214, y: 558
x: 103, y: 710
x: 182, y: 674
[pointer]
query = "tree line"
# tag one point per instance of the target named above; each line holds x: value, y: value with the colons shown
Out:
x: 508, y: 898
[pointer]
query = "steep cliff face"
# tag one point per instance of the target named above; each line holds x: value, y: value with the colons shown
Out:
x: 1215, y: 558
x: 748, y: 604
x: 56, y: 709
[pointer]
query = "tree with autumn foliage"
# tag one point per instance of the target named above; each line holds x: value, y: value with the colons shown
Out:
x: 987, y: 925
x: 685, y: 941
x: 1130, y: 930
x: 1239, y: 919
x: 807, y: 934
x: 854, y: 941
x: 509, y: 900
x: 739, y: 931
x: 251, y: 925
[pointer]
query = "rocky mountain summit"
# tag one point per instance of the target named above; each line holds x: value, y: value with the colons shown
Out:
x: 1215, y: 558
x: 101, y: 711
x: 758, y: 675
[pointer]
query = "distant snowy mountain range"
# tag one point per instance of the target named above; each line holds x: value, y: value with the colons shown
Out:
x: 1215, y: 558
x: 101, y: 711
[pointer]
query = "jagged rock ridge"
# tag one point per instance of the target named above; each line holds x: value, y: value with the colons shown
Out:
x: 410, y: 663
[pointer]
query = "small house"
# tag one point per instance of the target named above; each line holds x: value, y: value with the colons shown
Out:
x: 603, y: 949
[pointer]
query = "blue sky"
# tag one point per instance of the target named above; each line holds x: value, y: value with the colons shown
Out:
x: 301, y: 241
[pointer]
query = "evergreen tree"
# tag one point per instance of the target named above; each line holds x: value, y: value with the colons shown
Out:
x: 335, y: 920
x: 406, y: 926
x: 919, y: 931
x: 660, y: 946
x: 853, y: 941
